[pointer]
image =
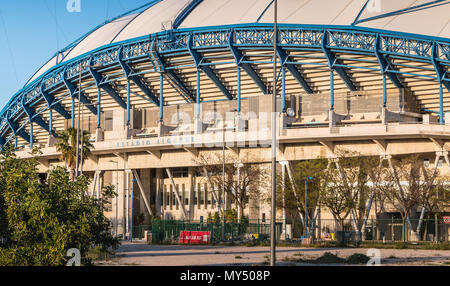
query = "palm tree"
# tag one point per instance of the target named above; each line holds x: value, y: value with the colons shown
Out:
x: 67, y: 142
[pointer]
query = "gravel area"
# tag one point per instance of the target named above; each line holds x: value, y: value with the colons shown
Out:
x: 139, y: 253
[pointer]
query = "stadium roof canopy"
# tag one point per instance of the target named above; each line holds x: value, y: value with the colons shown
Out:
x: 363, y: 41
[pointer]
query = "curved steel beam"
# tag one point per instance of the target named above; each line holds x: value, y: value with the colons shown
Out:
x: 33, y: 117
x: 52, y: 104
x: 332, y: 61
x: 130, y: 74
x: 73, y: 94
x: 239, y: 57
x: 160, y: 66
x: 107, y: 88
x: 440, y: 72
x: 293, y: 70
x: 385, y: 65
x: 17, y: 131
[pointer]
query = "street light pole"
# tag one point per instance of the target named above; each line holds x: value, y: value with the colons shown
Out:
x: 306, y: 205
x: 274, y: 134
x: 78, y: 127
x: 222, y: 200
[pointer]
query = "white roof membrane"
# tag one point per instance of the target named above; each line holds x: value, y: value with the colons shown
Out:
x: 431, y: 20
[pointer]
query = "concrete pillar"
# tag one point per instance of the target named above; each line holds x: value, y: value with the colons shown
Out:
x: 332, y: 118
x: 192, y: 183
x: 99, y: 135
x: 118, y: 203
x: 52, y: 140
x: 145, y: 177
x: 158, y: 197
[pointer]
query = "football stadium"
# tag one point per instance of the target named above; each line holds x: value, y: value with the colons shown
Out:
x: 174, y: 81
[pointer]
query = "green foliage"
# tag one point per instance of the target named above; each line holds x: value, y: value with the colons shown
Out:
x: 67, y: 142
x: 42, y: 219
x: 231, y: 215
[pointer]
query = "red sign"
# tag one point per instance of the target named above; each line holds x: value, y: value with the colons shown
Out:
x: 446, y: 219
x: 195, y: 237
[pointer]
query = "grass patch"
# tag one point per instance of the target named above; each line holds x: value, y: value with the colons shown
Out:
x: 99, y: 254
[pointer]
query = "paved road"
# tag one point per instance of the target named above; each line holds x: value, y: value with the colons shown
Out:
x: 138, y: 253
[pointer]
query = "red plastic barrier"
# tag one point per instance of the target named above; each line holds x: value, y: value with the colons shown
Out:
x: 195, y: 237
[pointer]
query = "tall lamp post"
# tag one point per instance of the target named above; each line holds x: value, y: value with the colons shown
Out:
x: 274, y: 140
x: 117, y: 186
x: 77, y: 161
x: 306, y: 205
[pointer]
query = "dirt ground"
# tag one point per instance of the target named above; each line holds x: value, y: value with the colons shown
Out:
x: 139, y: 253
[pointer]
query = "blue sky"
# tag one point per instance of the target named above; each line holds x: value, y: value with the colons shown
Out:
x: 31, y: 33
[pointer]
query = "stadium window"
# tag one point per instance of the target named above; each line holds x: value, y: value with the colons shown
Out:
x: 164, y: 197
x: 170, y: 197
x: 205, y: 200
x: 109, y: 118
x: 195, y: 197
x: 186, y: 195
x: 209, y: 197
x: 201, y: 198
x: 176, y: 201
x: 426, y: 162
x: 440, y: 162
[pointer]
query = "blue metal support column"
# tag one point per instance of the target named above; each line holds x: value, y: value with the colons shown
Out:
x: 385, y: 65
x: 31, y: 135
x: 99, y: 108
x: 73, y: 113
x: 197, y: 112
x: 15, y: 129
x: 441, y: 104
x: 283, y: 90
x: 74, y: 94
x: 128, y: 103
x: 198, y: 59
x: 129, y: 73
x: 33, y: 117
x: 332, y: 90
x: 239, y: 57
x: 52, y: 104
x: 172, y: 78
x: 440, y: 71
x: 161, y: 98
x: 107, y: 88
x: 238, y: 90
x: 332, y: 61
x: 50, y: 121
x: 293, y: 70
x: 384, y: 91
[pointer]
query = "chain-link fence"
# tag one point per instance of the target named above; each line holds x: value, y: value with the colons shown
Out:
x: 385, y: 230
x: 395, y: 230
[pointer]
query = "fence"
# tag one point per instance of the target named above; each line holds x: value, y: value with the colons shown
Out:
x: 325, y: 229
x: 388, y: 230
x: 169, y: 230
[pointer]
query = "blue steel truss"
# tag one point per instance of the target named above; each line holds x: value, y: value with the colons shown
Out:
x: 331, y: 41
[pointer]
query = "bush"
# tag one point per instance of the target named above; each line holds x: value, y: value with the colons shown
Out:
x: 329, y: 258
x: 43, y: 218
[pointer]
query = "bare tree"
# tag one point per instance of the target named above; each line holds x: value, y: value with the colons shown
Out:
x: 409, y: 187
x: 243, y: 181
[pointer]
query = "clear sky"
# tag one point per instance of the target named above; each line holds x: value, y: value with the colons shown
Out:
x: 32, y: 31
